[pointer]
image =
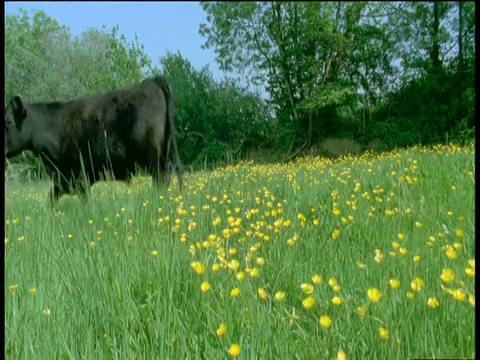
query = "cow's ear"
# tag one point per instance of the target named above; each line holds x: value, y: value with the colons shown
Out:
x: 19, y: 111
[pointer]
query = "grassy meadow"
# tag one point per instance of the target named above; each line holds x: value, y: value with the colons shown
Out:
x: 368, y: 257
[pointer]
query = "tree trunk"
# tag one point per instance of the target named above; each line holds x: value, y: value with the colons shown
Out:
x: 435, y: 53
x: 310, y: 129
x: 277, y: 12
x: 460, y: 36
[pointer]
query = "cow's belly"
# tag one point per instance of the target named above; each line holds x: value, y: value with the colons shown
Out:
x: 117, y: 159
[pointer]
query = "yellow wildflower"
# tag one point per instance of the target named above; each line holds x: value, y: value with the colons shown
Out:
x: 470, y: 271
x: 262, y: 294
x: 335, y: 234
x: 341, y: 355
x: 234, y: 350
x: 240, y: 276
x: 215, y: 267
x: 234, y: 264
x: 459, y: 295
x: 325, y: 321
x: 394, y: 283
x: 317, y: 279
x: 374, y: 295
x: 222, y: 329
x: 384, y: 334
x: 255, y: 272
x: 447, y: 275
x: 260, y: 261
x: 307, y: 288
x: 198, y: 267
x: 332, y: 282
x: 280, y: 296
x: 417, y: 284
x: 433, y: 302
x: 308, y: 302
x: 451, y: 252
x: 337, y: 300
x: 205, y: 286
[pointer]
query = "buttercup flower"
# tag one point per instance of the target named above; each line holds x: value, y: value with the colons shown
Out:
x: 221, y: 330
x: 374, y: 295
x: 234, y: 350
x: 325, y: 321
x: 280, y: 296
x: 384, y: 334
x: 433, y: 302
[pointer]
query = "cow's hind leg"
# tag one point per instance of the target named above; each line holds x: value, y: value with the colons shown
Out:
x: 165, y: 163
x: 167, y: 169
x: 156, y: 167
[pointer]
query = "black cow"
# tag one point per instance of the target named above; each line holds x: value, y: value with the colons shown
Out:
x: 85, y: 138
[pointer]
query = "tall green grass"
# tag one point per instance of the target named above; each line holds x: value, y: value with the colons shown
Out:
x: 137, y: 273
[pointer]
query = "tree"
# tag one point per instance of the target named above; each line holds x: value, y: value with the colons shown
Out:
x: 435, y: 97
x: 217, y: 121
x: 44, y: 63
x: 306, y: 54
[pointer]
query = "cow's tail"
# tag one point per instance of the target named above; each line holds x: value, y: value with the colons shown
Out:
x: 170, y: 118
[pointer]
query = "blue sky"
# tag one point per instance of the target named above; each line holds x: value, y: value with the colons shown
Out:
x: 160, y: 26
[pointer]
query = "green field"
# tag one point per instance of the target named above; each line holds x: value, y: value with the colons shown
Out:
x: 369, y: 257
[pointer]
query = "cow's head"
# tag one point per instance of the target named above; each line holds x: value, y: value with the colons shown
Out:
x: 17, y: 137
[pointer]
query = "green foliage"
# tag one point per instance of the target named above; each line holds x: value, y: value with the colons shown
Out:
x: 311, y: 57
x: 44, y: 63
x: 331, y: 68
x: 33, y: 66
x: 216, y: 121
